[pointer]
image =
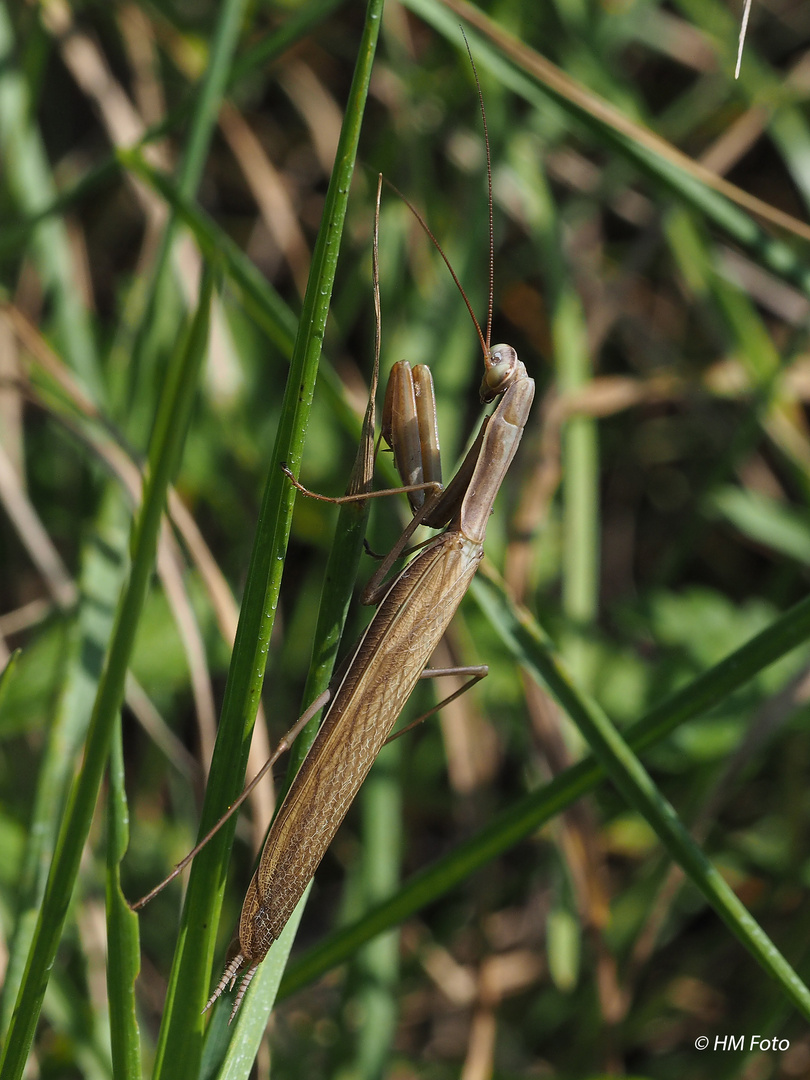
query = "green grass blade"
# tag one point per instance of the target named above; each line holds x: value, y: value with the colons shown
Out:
x: 533, y: 810
x: 102, y: 578
x: 377, y: 964
x: 259, y: 297
x: 572, y: 361
x: 537, y: 653
x: 160, y: 304
x: 765, y: 521
x: 300, y: 23
x: 123, y: 943
x: 209, y: 96
x: 241, y: 1042
x: 180, y: 1042
x: 7, y: 675
x: 256, y: 56
x: 166, y: 447
x: 339, y: 577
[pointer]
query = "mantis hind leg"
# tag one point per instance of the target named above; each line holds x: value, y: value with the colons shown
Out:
x: 476, y: 674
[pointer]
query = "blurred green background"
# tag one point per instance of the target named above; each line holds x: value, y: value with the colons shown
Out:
x: 655, y: 520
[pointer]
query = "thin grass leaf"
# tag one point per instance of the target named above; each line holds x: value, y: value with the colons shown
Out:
x: 580, y: 454
x: 263, y: 53
x: 102, y: 579
x: 262, y: 300
x: 301, y: 22
x: 533, y: 810
x: 377, y: 964
x: 166, y: 447
x: 123, y: 942
x: 240, y: 1042
x: 7, y: 675
x: 179, y: 1049
x: 208, y: 98
x: 781, y: 529
x: 157, y: 308
x: 538, y: 655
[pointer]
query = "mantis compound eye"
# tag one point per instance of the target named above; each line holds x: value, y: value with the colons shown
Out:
x: 500, y: 366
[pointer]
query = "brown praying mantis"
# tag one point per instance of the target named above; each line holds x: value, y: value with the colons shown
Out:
x: 415, y: 609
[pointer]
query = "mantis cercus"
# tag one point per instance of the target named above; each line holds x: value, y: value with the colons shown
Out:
x: 414, y: 611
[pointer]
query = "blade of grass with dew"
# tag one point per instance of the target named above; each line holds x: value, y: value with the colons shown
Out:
x: 179, y: 1047
x: 123, y: 941
x: 533, y: 810
x: 171, y: 424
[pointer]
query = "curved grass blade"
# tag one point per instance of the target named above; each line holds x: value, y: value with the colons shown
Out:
x: 171, y: 424
x: 533, y: 648
x: 531, y: 811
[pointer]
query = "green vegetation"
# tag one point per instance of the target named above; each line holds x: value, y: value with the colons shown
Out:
x: 598, y: 855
